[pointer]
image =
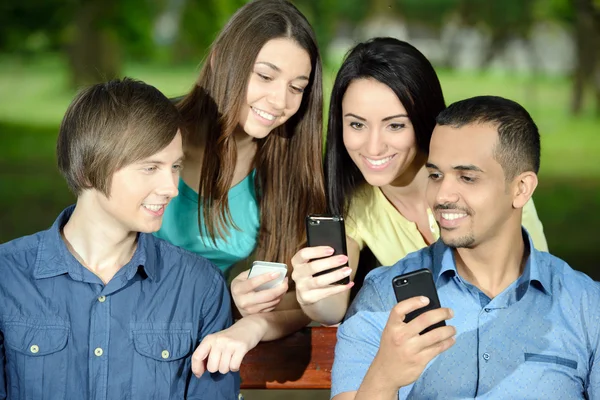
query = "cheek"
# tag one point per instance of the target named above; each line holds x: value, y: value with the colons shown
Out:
x: 403, y: 141
x: 352, y: 140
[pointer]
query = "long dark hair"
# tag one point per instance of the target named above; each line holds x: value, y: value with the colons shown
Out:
x: 406, y: 71
x: 289, y: 173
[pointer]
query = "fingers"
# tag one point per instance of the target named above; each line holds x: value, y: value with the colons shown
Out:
x: 306, y: 254
x: 255, y: 302
x: 429, y: 318
x: 200, y: 355
x: 313, y: 296
x: 398, y: 313
x: 441, y: 338
x: 241, y: 287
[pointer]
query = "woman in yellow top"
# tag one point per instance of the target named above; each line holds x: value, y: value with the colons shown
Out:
x: 383, y: 106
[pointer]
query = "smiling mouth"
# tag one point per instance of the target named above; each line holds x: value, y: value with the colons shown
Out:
x: 264, y: 114
x: 453, y: 216
x: 380, y: 163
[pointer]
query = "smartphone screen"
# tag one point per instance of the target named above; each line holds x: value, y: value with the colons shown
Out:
x: 417, y: 283
x: 327, y: 230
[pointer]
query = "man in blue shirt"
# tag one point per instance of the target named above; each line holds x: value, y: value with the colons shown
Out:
x: 96, y: 307
x: 525, y: 325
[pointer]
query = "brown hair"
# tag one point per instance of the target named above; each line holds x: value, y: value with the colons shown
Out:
x: 289, y: 180
x: 109, y: 126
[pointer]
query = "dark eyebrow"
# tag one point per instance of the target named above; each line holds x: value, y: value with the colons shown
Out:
x: 430, y: 165
x: 394, y: 116
x: 354, y: 116
x: 469, y: 167
x: 277, y: 69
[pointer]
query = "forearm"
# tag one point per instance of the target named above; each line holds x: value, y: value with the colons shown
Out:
x: 330, y: 310
x: 375, y: 386
x: 277, y: 324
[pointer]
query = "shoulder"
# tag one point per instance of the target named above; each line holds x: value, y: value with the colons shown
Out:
x: 184, y: 263
x: 20, y: 251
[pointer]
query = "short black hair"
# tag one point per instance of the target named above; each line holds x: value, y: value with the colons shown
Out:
x: 518, y: 149
x: 408, y: 73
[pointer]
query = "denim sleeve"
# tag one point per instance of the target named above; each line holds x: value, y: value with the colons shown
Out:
x: 358, y: 340
x: 593, y: 387
x: 216, y: 313
x: 2, y: 369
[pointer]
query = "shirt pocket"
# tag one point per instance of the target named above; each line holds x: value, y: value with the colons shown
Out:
x: 37, y: 358
x: 550, y: 359
x: 161, y: 362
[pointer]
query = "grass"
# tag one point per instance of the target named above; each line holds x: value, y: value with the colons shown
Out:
x: 34, y: 96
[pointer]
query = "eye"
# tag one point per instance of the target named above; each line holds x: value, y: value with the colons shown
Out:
x: 434, y: 176
x: 357, y: 125
x: 396, y: 126
x: 297, y: 90
x: 177, y: 167
x: 468, y: 179
x: 264, y: 77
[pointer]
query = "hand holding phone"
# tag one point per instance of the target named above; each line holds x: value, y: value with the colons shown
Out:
x: 403, y: 351
x: 259, y: 289
x: 417, y: 283
x: 328, y: 230
x: 264, y: 267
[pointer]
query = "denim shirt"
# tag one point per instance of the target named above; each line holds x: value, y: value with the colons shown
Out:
x: 66, y: 335
x: 538, y: 339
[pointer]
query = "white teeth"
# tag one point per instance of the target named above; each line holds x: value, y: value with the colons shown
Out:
x: 451, y: 216
x: 153, y: 207
x: 263, y: 114
x: 379, y: 162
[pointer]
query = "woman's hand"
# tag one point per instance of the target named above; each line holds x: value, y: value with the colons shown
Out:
x: 249, y: 301
x: 224, y: 351
x: 311, y: 289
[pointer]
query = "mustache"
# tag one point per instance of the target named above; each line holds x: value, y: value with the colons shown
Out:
x: 451, y: 206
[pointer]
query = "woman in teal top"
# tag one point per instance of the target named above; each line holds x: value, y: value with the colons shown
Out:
x: 252, y: 135
x: 181, y: 226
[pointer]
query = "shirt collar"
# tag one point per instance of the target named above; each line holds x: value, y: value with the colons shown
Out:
x: 533, y: 272
x: 54, y: 258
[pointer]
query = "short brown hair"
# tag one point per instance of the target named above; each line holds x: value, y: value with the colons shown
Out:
x: 109, y: 126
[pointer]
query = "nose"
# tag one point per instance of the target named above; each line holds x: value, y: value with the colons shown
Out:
x: 278, y: 96
x: 446, y: 191
x: 168, y: 185
x: 375, y: 143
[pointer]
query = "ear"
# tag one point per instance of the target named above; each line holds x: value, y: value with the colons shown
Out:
x: 523, y: 187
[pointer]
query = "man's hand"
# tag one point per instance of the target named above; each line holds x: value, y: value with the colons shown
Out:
x: 248, y: 301
x: 403, y: 353
x: 224, y: 351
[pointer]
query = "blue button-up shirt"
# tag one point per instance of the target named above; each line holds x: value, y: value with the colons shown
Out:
x: 66, y: 335
x: 538, y: 339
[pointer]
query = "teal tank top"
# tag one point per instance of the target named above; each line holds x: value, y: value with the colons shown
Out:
x: 180, y: 225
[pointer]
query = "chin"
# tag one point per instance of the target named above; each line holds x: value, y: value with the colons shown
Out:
x: 459, y: 242
x: 377, y: 181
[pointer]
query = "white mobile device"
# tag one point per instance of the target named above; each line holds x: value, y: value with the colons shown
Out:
x: 265, y: 267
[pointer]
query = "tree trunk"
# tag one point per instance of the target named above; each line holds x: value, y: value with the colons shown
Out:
x: 587, y: 32
x: 93, y: 53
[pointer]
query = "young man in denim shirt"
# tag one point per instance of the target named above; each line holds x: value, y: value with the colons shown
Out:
x: 525, y: 325
x: 96, y: 307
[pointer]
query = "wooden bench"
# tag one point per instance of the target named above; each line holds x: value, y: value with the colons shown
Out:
x: 300, y: 361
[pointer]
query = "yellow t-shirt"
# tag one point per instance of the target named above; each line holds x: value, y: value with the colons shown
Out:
x: 374, y: 222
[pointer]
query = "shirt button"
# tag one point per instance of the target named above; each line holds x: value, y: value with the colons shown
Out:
x: 487, y: 309
x: 486, y: 356
x: 34, y: 349
x: 98, y: 352
x: 165, y: 354
x: 102, y: 299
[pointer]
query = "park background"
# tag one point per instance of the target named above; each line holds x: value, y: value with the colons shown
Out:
x: 544, y: 54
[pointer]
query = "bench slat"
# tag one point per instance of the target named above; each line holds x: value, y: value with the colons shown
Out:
x: 300, y: 361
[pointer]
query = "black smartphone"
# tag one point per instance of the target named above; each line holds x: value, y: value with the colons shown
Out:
x: 417, y: 283
x: 327, y: 230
